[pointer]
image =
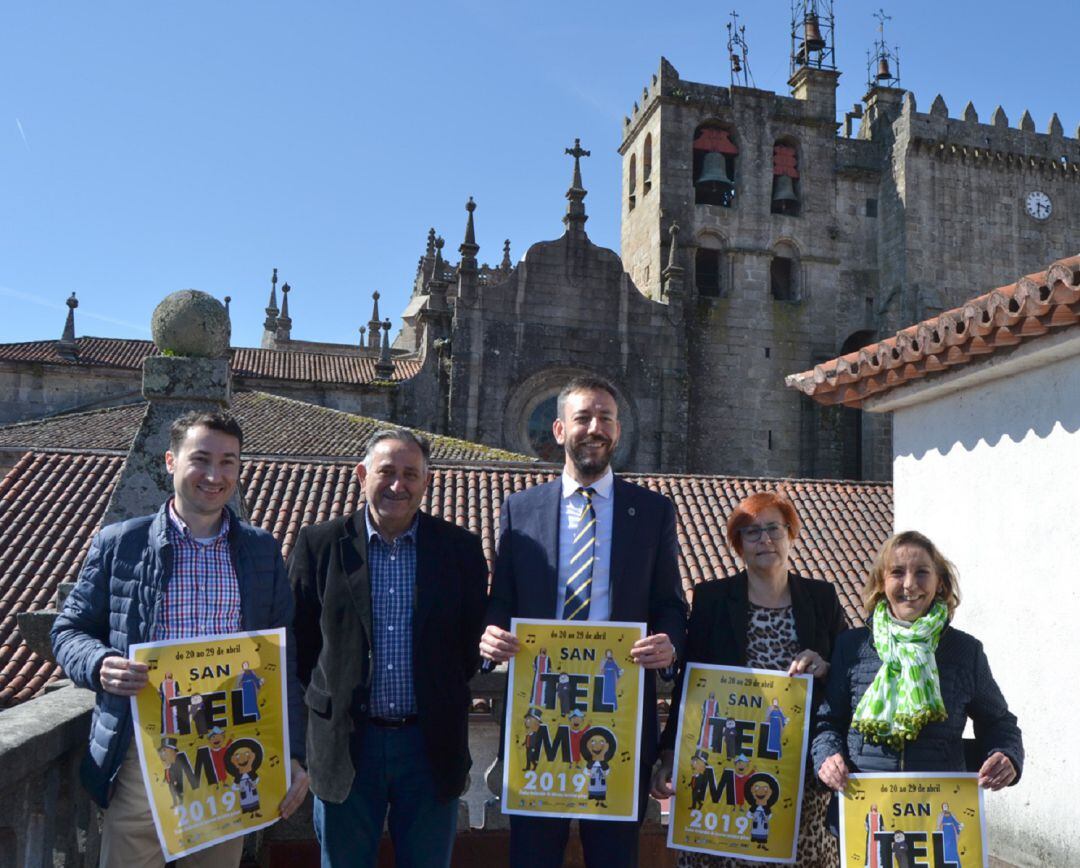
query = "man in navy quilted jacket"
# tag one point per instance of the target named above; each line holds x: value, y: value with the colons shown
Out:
x: 192, y: 569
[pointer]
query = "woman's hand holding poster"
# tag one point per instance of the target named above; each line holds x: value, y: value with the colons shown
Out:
x: 573, y: 721
x: 740, y: 757
x: 912, y: 820
x: 212, y: 736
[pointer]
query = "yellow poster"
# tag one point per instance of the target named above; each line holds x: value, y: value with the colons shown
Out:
x: 913, y: 821
x: 740, y: 757
x: 573, y: 721
x: 212, y: 734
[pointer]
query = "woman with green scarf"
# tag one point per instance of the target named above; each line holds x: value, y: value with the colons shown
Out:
x: 900, y: 690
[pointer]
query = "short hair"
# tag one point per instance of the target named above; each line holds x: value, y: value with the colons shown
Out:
x: 751, y: 507
x: 402, y: 435
x: 215, y: 420
x: 584, y: 383
x: 948, y: 587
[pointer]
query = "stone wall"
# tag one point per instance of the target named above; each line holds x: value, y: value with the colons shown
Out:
x: 30, y: 390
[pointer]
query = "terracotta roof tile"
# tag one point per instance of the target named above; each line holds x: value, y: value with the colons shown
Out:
x: 992, y: 323
x: 252, y: 362
x: 51, y: 504
x: 273, y: 426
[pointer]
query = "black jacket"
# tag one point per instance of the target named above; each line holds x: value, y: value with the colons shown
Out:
x: 329, y: 573
x: 968, y: 690
x: 720, y: 618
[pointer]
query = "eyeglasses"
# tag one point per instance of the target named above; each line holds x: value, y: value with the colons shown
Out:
x: 752, y: 533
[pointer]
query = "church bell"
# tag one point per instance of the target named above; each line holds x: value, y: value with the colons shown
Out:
x: 714, y: 170
x: 812, y: 30
x: 883, y: 72
x: 784, y: 190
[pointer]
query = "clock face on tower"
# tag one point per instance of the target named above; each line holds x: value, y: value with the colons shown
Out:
x: 1038, y: 205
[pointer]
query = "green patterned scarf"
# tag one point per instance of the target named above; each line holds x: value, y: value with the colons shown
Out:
x: 905, y: 694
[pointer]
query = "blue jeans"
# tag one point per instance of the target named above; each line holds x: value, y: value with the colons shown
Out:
x: 392, y: 771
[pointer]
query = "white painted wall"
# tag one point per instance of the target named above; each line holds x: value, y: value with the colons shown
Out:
x: 992, y: 475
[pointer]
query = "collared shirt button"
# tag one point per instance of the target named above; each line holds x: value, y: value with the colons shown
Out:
x: 392, y: 705
x: 391, y: 590
x: 391, y: 628
x: 389, y: 665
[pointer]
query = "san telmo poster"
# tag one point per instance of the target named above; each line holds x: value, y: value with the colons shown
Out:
x: 740, y: 758
x: 912, y: 821
x: 573, y: 721
x: 212, y: 735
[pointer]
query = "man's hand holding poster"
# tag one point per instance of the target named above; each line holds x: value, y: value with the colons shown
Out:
x: 740, y: 757
x: 911, y: 820
x: 212, y: 736
x: 573, y: 721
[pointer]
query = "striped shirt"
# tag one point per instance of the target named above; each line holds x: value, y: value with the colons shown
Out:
x: 392, y: 569
x: 202, y: 596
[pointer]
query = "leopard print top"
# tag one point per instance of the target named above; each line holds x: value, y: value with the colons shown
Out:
x: 771, y: 642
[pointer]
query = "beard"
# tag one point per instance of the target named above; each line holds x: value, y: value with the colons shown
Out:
x: 589, y: 463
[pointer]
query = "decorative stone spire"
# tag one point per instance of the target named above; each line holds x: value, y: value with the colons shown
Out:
x: 672, y: 277
x: 430, y: 251
x: 575, y: 208
x: 1027, y: 122
x: 938, y: 109
x: 66, y: 346
x: 970, y: 115
x: 374, y: 323
x: 467, y: 276
x: 270, y: 324
x: 1054, y: 127
x: 284, y: 322
x: 228, y: 301
x: 436, y: 285
x: 384, y: 368
x: 506, y: 263
x: 999, y: 118
x: 363, y: 331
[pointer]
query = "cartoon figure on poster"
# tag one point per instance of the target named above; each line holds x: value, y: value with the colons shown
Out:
x: 710, y: 717
x: 574, y: 719
x: 212, y: 734
x: 950, y: 829
x: 744, y: 799
x: 610, y: 673
x: 874, y: 825
x: 541, y: 667
x: 777, y: 722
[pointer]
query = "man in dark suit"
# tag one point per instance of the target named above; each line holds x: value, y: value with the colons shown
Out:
x: 389, y: 608
x: 589, y: 547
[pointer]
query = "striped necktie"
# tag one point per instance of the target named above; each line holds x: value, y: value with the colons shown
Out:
x: 579, y: 584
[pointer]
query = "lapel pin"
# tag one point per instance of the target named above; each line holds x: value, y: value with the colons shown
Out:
x: 631, y: 511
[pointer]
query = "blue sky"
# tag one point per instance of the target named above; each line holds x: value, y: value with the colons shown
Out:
x: 149, y: 147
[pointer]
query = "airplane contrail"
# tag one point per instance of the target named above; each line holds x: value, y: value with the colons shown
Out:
x: 22, y: 133
x: 34, y: 299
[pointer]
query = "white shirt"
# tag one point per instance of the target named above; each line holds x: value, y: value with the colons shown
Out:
x: 571, y: 510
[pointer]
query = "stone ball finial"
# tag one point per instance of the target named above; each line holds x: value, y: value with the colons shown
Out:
x: 191, y: 323
x: 72, y: 301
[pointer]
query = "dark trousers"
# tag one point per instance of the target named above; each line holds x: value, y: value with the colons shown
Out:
x: 392, y: 771
x: 540, y: 842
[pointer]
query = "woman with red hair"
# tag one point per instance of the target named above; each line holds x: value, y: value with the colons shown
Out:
x: 764, y: 617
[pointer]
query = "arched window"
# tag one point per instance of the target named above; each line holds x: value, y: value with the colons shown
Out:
x: 709, y: 267
x: 784, y: 272
x: 632, y: 182
x: 786, y: 195
x: 850, y: 423
x: 646, y: 166
x: 715, y: 157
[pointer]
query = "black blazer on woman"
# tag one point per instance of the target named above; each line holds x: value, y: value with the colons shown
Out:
x: 720, y: 618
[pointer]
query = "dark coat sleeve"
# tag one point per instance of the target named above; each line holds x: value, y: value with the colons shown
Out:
x: 697, y: 648
x: 281, y: 615
x: 307, y: 606
x: 81, y: 631
x: 995, y: 726
x: 502, y: 604
x: 834, y: 714
x: 667, y: 603
x: 474, y: 574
